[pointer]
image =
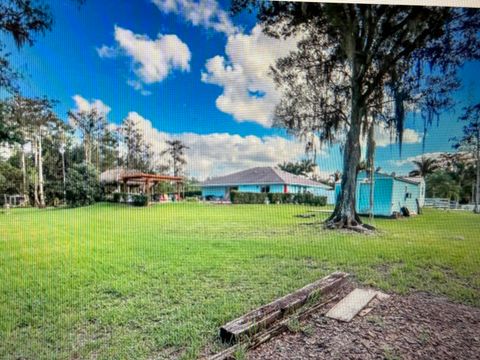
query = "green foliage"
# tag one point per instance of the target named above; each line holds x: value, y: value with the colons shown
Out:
x: 303, y: 198
x: 237, y: 197
x: 8, y: 132
x: 118, y: 197
x: 281, y: 198
x: 139, y: 200
x: 425, y: 166
x: 176, y: 151
x: 22, y: 21
x: 139, y: 153
x: 82, y: 185
x: 310, y: 199
x: 441, y: 184
x: 193, y: 193
x: 302, y: 167
x: 10, y: 179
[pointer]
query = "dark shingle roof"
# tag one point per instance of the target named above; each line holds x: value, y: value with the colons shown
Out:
x: 262, y: 176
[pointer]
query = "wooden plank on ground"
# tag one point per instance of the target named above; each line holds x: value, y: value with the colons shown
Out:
x: 264, y: 316
x: 351, y: 305
x: 268, y: 334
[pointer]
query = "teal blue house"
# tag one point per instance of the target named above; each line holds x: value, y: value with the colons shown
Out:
x: 263, y: 179
x: 390, y: 193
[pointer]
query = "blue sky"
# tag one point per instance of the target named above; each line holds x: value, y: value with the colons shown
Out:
x: 185, y: 69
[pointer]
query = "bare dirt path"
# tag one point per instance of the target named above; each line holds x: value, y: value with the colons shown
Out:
x: 418, y: 326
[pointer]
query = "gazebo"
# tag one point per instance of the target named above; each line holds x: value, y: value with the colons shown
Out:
x: 126, y: 180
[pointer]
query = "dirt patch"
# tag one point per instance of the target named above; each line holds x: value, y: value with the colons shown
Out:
x: 418, y: 326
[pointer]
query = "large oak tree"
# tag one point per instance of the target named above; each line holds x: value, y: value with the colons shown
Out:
x: 361, y: 53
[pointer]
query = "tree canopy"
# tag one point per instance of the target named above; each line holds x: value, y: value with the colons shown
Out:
x: 302, y: 167
x: 176, y: 150
x: 425, y: 166
x: 352, y: 58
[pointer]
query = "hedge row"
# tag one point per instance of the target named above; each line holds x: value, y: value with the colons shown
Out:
x: 277, y: 198
x: 192, y: 193
x: 302, y: 198
x: 248, y: 198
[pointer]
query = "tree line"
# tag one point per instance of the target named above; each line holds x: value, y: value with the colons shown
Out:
x: 50, y: 157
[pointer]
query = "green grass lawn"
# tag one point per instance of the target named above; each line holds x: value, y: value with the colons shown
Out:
x: 117, y: 282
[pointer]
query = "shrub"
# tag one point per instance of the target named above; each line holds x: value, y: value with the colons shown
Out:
x: 277, y: 198
x: 193, y: 193
x: 233, y: 197
x: 247, y: 197
x: 280, y: 198
x: 117, y: 197
x: 302, y: 198
x: 322, y: 200
x: 139, y: 200
x: 82, y: 185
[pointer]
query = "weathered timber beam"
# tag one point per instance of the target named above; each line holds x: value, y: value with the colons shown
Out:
x: 262, y: 317
x: 267, y: 334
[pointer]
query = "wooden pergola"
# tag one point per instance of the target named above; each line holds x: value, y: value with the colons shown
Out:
x: 150, y: 180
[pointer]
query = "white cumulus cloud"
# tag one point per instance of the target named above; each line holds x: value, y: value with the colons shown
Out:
x: 152, y: 59
x: 107, y: 51
x: 249, y: 93
x: 206, y: 13
x: 222, y: 153
x: 82, y: 104
x: 384, y: 136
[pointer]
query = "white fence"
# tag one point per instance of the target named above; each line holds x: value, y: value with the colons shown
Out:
x: 440, y: 203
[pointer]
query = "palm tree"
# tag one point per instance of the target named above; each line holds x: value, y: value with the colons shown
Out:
x: 425, y: 166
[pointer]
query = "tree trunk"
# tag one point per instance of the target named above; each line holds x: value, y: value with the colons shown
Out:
x: 64, y: 178
x: 477, y: 190
x: 35, y: 182
x: 41, y: 195
x: 24, y: 175
x: 344, y: 214
x: 87, y: 149
x: 371, y: 164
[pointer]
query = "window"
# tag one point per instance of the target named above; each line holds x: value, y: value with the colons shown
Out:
x: 265, y: 189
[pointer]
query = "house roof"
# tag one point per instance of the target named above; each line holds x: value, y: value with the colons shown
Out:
x: 262, y: 176
x: 414, y: 179
x: 411, y: 180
